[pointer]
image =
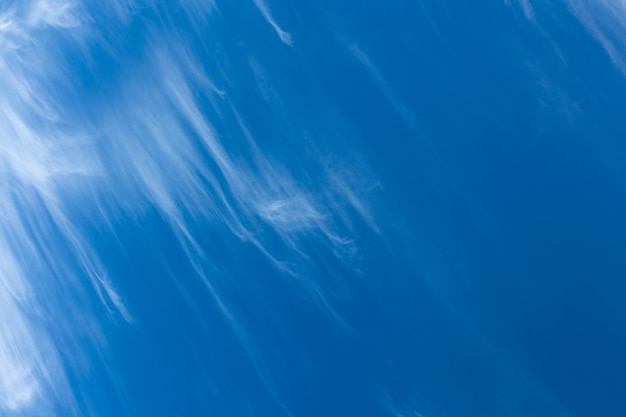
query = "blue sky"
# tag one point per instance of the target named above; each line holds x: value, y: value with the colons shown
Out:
x: 333, y: 208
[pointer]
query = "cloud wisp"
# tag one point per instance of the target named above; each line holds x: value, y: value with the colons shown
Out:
x: 72, y: 160
x: 263, y: 7
x: 39, y: 160
x: 606, y: 22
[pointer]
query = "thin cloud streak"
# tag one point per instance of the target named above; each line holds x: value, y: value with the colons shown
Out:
x: 162, y: 149
x: 524, y: 6
x: 147, y: 145
x: 38, y: 160
x: 285, y: 37
x: 606, y: 22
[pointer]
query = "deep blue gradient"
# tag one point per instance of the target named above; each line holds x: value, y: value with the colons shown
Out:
x: 330, y: 208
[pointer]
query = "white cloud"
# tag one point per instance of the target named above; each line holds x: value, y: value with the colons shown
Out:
x: 60, y: 14
x: 39, y: 161
x: 157, y: 134
x: 606, y: 21
x: 151, y: 143
x: 267, y: 15
x: 389, y: 92
x: 524, y: 6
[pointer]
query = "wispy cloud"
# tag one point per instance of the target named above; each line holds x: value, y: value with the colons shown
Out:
x: 524, y: 6
x: 166, y: 137
x: 39, y: 159
x: 606, y: 21
x: 53, y: 13
x: 269, y: 18
x: 391, y: 95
